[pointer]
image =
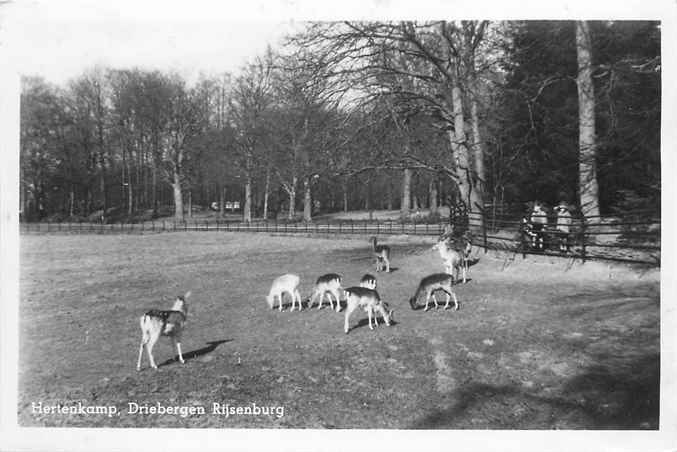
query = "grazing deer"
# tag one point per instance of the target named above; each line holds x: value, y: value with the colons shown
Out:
x: 370, y: 301
x: 382, y: 255
x: 156, y: 323
x: 368, y: 281
x: 431, y: 284
x: 329, y: 284
x: 286, y: 283
x: 455, y: 261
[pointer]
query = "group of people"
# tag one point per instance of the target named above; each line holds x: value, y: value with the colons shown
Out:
x: 536, y: 225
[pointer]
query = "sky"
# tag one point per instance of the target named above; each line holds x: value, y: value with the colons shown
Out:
x: 60, y: 39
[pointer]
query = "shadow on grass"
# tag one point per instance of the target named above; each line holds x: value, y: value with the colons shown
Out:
x: 601, y: 398
x: 199, y: 352
x: 365, y: 322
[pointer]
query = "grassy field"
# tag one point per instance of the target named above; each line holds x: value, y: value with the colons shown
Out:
x: 536, y: 344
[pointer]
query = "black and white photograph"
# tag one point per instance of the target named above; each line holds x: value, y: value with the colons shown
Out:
x: 368, y: 225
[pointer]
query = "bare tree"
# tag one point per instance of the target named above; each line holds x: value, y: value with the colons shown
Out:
x: 426, y: 64
x: 250, y: 103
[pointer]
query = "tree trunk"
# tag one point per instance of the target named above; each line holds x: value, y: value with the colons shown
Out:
x: 433, y: 196
x: 588, y: 188
x: 190, y: 203
x: 71, y: 207
x: 478, y: 177
x: 468, y: 195
x: 307, y: 201
x: 292, y: 199
x: 247, y: 210
x: 345, y: 194
x: 389, y: 195
x: 266, y: 193
x: 130, y: 193
x: 102, y: 183
x: 367, y: 196
x: 406, y: 192
x: 178, y: 196
x: 222, y: 201
x: 154, y: 189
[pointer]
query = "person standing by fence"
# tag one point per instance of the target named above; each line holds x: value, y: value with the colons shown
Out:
x: 563, y: 225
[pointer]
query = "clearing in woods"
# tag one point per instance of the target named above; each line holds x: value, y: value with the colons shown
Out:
x: 536, y: 344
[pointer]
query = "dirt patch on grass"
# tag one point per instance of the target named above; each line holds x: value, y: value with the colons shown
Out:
x: 536, y: 344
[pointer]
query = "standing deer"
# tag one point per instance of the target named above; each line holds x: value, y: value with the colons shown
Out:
x: 156, y: 323
x: 382, y: 255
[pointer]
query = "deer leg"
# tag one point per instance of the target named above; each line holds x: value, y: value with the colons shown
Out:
x: 297, y: 297
x: 177, y: 344
x: 138, y: 362
x: 349, y: 309
x: 446, y: 306
x: 149, y: 348
x: 338, y: 301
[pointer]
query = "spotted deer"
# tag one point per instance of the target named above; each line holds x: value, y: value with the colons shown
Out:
x: 329, y: 284
x: 156, y: 323
x: 382, y: 255
x: 431, y: 284
x: 370, y: 301
x: 286, y: 283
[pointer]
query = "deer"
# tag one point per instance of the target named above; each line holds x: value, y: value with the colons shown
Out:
x: 329, y: 284
x: 286, y: 283
x: 156, y: 323
x: 454, y: 260
x: 370, y: 301
x: 382, y: 255
x: 368, y: 281
x: 431, y: 284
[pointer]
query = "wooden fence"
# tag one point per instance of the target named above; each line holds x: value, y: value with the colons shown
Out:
x: 621, y: 240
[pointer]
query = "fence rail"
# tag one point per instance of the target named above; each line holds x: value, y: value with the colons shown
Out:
x: 623, y: 241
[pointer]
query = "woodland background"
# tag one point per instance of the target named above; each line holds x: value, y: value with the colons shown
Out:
x: 360, y: 115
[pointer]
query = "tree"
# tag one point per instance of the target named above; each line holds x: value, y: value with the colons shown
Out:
x: 534, y: 151
x: 589, y: 191
x: 427, y: 64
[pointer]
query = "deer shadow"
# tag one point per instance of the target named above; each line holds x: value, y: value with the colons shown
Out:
x: 365, y: 322
x: 431, y: 307
x: 199, y: 352
x: 472, y: 262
